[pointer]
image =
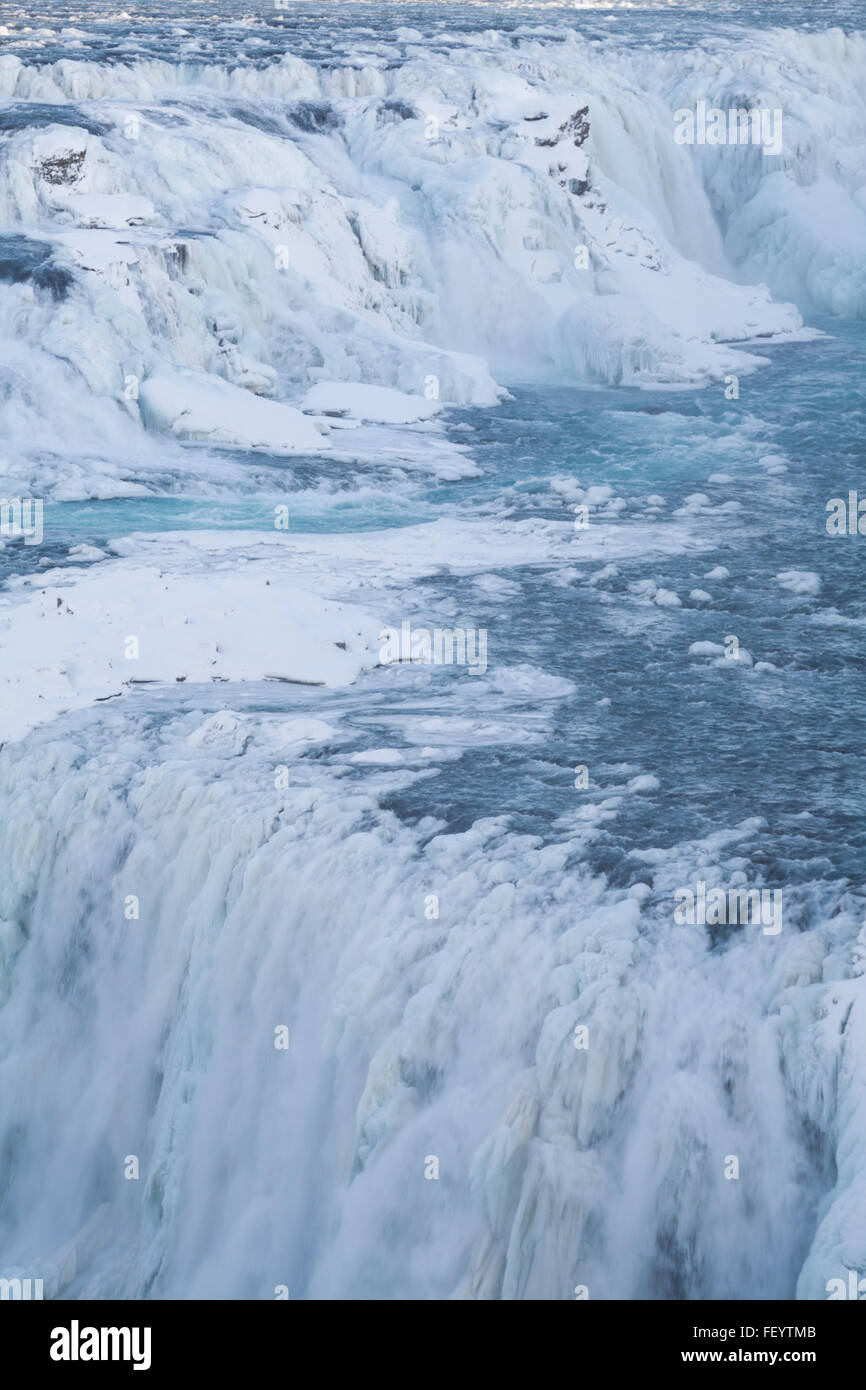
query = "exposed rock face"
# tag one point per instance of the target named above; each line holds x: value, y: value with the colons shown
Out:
x: 62, y: 168
x: 576, y: 125
x: 576, y: 129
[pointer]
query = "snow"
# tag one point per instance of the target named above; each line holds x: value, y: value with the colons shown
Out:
x: 187, y: 598
x: 93, y: 635
x: 367, y: 252
x: 338, y: 562
x: 666, y: 598
x: 646, y: 782
x: 379, y: 404
x: 385, y: 756
x: 86, y: 552
x: 108, y: 210
x: 804, y: 583
x: 723, y: 658
x: 196, y: 406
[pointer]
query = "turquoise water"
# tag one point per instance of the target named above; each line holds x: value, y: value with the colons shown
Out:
x: 728, y: 743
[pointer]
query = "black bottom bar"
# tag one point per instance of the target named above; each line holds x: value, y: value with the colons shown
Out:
x: 387, y: 1340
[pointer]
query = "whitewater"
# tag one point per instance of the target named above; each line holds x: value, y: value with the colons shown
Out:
x: 359, y: 978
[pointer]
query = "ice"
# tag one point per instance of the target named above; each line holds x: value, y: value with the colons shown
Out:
x: 359, y: 245
x: 193, y: 405
x: 76, y: 638
x: 380, y: 404
x: 804, y: 583
x: 409, y: 1037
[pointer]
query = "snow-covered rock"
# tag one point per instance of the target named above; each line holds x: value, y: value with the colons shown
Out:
x: 359, y: 401
x: 194, y: 406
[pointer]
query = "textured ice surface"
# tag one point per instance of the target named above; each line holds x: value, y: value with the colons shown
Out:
x: 191, y: 405
x: 418, y: 215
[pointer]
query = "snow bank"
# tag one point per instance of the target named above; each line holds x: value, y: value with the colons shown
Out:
x: 192, y: 405
x: 357, y: 401
x: 77, y: 639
